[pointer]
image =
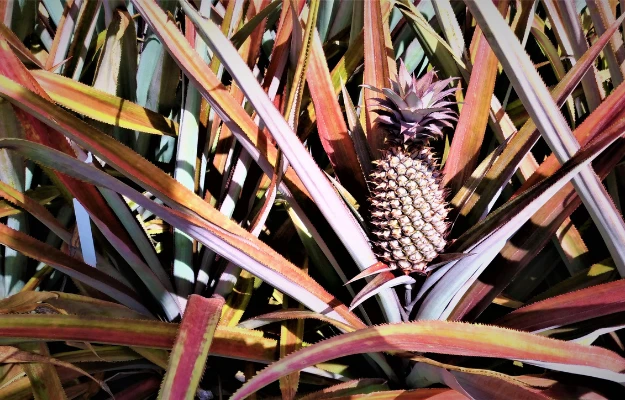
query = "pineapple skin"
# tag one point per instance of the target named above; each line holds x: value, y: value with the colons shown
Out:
x: 408, y: 209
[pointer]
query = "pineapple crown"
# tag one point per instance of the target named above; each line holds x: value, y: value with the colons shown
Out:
x: 414, y: 110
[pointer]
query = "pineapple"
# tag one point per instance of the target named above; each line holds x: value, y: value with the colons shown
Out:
x: 408, y: 208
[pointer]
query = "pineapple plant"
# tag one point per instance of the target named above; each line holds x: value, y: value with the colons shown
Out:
x: 211, y: 160
x: 408, y: 208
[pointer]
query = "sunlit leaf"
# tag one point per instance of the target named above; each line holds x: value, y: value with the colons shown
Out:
x: 449, y: 338
x: 102, y: 106
x: 228, y: 342
x: 188, y: 356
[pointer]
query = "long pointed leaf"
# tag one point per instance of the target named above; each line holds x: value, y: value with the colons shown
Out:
x: 328, y: 201
x: 102, y: 106
x: 471, y: 127
x: 240, y: 246
x: 70, y: 266
x: 592, y: 302
x: 188, y: 356
x: 228, y: 342
x: 487, y: 238
x: 448, y: 338
x: 331, y: 125
x: 552, y: 125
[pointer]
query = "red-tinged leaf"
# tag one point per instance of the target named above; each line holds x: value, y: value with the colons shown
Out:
x: 234, y: 116
x: 140, y: 390
x: 350, y: 388
x: 88, y: 196
x: 84, y: 305
x: 521, y: 143
x: 417, y: 394
x: 343, y: 70
x: 228, y: 342
x: 17, y: 45
x: 68, y: 265
x: 42, y: 194
x: 542, y: 226
x: 383, y: 280
x: 12, y: 70
x: 486, y: 387
x: 529, y: 239
x: 23, y: 299
x: 332, y: 128
x: 293, y: 313
x: 471, y: 127
x: 98, y: 353
x: 372, y: 270
x: 163, y: 186
x: 592, y: 302
x: 596, y: 274
x: 568, y: 387
x: 448, y: 338
x: 377, y: 72
x: 291, y: 339
x: 592, y: 126
x: 4, y: 9
x: 357, y: 133
x: 477, y: 384
x: 472, y: 382
x: 11, y: 355
x: 280, y: 50
x: 37, y: 210
x: 102, y: 106
x: 187, y: 360
x: 43, y: 377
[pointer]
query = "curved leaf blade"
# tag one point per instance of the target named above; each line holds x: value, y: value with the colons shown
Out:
x: 551, y: 123
x: 569, y: 308
x: 217, y: 232
x: 448, y: 338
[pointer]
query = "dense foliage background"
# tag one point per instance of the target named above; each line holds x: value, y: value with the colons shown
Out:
x: 185, y: 190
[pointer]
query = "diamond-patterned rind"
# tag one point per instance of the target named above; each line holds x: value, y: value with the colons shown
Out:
x: 408, y: 209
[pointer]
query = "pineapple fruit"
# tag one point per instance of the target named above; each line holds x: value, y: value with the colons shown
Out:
x: 408, y: 208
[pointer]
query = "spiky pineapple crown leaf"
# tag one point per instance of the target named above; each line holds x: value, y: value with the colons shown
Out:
x: 414, y: 110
